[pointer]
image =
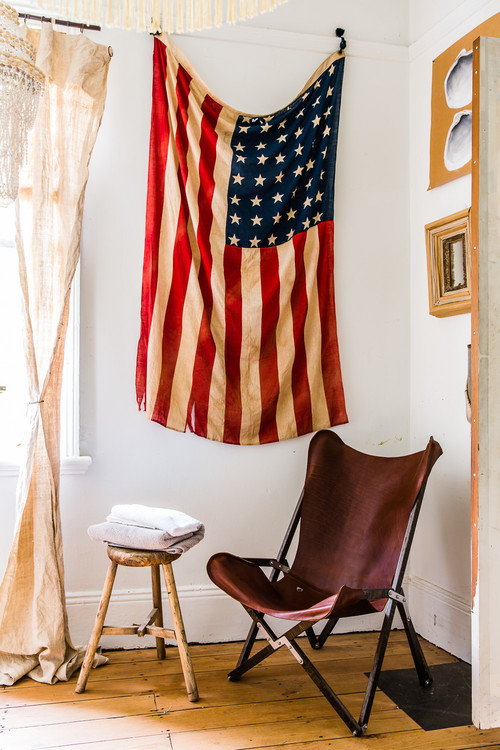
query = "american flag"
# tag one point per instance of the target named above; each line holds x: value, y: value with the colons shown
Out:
x: 238, y: 335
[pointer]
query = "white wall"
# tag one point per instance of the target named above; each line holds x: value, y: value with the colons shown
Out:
x: 244, y: 495
x: 440, y: 563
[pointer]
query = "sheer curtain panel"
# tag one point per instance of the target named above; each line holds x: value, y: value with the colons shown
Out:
x: 34, y: 635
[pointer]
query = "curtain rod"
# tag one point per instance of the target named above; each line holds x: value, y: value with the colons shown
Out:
x: 59, y: 21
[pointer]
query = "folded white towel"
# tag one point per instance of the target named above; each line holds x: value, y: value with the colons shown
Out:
x: 138, y: 537
x: 173, y: 522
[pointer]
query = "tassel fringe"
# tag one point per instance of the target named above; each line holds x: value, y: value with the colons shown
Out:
x: 232, y: 11
x: 180, y: 17
x: 207, y: 17
x: 170, y: 21
x: 198, y: 15
x: 117, y: 17
x: 189, y: 15
x: 159, y: 15
x: 218, y: 13
x: 155, y: 16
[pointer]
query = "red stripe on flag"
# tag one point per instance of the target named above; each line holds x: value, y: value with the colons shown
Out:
x: 158, y: 150
x: 300, y: 381
x: 206, y: 349
x: 268, y: 363
x: 182, y: 259
x: 330, y: 360
x: 233, y: 305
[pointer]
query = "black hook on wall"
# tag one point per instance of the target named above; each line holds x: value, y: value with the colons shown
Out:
x: 340, y: 33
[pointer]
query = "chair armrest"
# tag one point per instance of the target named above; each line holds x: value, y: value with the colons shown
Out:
x: 267, y: 562
x: 376, y: 593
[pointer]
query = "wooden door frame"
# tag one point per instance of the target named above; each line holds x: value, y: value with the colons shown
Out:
x: 485, y: 383
x: 474, y: 240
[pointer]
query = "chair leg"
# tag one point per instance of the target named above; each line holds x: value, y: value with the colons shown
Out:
x: 156, y: 588
x: 247, y: 646
x: 356, y: 727
x: 421, y: 666
x: 312, y: 638
x: 97, y: 630
x: 274, y: 643
x: 247, y: 664
x: 180, y: 634
x: 377, y: 664
x: 325, y: 632
x: 288, y: 640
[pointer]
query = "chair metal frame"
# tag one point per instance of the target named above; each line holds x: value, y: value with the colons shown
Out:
x: 396, y: 601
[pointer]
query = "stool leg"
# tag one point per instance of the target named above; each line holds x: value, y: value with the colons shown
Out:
x: 180, y: 634
x: 156, y: 586
x: 97, y: 630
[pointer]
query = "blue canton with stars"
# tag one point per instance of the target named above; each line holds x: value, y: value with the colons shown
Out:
x: 283, y: 167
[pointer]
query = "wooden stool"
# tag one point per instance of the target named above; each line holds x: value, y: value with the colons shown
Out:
x: 140, y: 559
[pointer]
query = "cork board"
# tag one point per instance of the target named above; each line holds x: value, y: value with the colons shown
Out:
x: 451, y: 106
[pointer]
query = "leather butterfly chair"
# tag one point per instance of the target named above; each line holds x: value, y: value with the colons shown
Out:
x: 357, y: 516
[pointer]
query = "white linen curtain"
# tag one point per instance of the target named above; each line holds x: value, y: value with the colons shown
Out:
x: 34, y: 635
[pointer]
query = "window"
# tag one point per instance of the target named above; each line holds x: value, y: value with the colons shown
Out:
x: 12, y: 369
x: 12, y: 376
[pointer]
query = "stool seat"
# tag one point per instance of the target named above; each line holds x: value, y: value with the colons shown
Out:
x: 153, y: 625
x: 139, y: 558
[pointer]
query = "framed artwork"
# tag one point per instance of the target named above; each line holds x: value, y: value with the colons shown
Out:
x: 451, y: 107
x: 448, y: 264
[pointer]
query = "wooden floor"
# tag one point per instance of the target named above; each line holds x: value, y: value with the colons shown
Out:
x: 136, y: 702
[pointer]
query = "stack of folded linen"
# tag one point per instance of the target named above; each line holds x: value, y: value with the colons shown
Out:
x: 146, y: 528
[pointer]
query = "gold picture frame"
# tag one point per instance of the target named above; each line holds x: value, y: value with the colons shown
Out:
x: 448, y: 264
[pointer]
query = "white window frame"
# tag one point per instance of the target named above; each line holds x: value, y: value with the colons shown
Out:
x: 71, y: 460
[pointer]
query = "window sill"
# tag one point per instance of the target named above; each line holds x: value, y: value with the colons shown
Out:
x: 72, y: 465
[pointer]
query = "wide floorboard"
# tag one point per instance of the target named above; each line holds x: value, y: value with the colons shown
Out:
x: 136, y: 702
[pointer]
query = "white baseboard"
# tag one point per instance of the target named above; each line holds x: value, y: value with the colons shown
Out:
x: 443, y: 618
x: 210, y: 616
x: 440, y: 616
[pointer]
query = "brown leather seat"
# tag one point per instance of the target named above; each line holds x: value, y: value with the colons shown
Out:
x: 357, y: 517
